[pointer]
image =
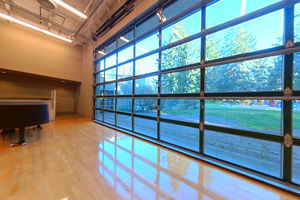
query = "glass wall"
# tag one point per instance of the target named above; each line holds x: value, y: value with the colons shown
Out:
x: 214, y: 80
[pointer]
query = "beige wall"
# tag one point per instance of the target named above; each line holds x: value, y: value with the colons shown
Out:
x: 29, y: 51
x: 85, y: 99
x: 85, y: 106
x: 26, y: 50
x: 24, y: 86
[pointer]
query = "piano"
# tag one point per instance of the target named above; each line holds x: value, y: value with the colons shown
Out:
x: 21, y: 115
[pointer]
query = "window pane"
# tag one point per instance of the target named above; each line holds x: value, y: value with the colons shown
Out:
x: 148, y: 44
x: 182, y: 110
x: 146, y: 24
x: 109, y: 117
x: 232, y: 9
x: 183, y: 136
x: 99, y: 103
x: 99, y: 90
x: 124, y: 105
x: 110, y: 75
x: 100, y: 77
x: 147, y: 64
x: 254, y: 75
x: 145, y: 126
x: 125, y: 71
x: 177, y: 6
x: 297, y: 71
x: 257, y: 115
x: 296, y: 118
x: 109, y: 103
x: 181, y: 82
x: 245, y: 38
x: 146, y: 107
x: 260, y: 155
x: 124, y: 121
x: 125, y: 88
x: 110, y: 47
x: 186, y: 27
x: 97, y: 66
x: 297, y: 22
x: 110, y: 61
x: 110, y: 89
x: 184, y: 54
x: 125, y: 54
x: 296, y: 164
x: 126, y: 37
x: 99, y: 115
x: 146, y: 85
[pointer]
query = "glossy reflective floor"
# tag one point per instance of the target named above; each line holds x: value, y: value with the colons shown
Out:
x: 74, y: 158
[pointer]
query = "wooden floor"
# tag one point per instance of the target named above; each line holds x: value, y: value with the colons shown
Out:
x: 74, y: 159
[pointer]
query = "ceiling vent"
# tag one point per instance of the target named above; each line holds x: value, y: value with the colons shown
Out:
x: 48, y: 4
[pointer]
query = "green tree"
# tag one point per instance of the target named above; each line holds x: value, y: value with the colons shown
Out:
x: 187, y: 53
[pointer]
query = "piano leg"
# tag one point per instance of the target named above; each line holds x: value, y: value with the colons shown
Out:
x: 22, y: 140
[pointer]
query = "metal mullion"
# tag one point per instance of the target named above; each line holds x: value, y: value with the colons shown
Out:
x: 288, y: 85
x: 145, y: 117
x: 296, y: 93
x: 286, y: 98
x: 94, y: 88
x: 181, y: 94
x: 181, y: 123
x: 104, y: 92
x: 123, y: 113
x: 244, y: 133
x: 146, y: 95
x: 116, y: 88
x: 106, y: 110
x: 159, y: 84
x: 246, y: 94
x: 296, y: 141
x: 133, y: 79
x: 202, y: 82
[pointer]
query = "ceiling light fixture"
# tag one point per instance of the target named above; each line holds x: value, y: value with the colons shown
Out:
x: 33, y: 27
x: 101, y: 52
x: 124, y: 39
x: 70, y: 8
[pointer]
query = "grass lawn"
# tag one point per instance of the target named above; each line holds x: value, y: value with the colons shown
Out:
x: 261, y: 119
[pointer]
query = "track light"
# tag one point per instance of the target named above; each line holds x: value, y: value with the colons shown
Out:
x: 33, y: 27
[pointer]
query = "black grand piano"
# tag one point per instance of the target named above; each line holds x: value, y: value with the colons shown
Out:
x: 21, y: 115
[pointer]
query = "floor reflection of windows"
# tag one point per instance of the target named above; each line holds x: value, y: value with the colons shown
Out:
x: 225, y: 185
x: 139, y: 170
x: 133, y: 167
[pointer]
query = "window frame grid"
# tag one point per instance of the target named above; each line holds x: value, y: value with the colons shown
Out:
x: 287, y: 81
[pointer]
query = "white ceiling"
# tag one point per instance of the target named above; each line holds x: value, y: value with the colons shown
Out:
x: 63, y: 22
